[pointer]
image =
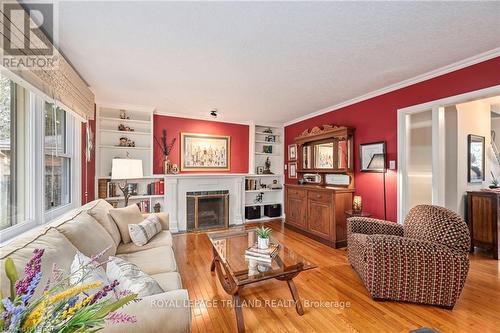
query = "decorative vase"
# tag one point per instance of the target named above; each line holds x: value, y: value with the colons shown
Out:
x: 166, y: 165
x: 262, y: 243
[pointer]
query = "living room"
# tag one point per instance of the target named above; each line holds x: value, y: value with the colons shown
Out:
x: 249, y: 166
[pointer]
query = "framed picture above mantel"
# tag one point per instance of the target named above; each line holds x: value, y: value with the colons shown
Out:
x: 205, y: 152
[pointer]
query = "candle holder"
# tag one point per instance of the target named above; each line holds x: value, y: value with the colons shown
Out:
x: 357, y: 205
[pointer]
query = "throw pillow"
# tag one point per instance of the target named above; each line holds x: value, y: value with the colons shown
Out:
x: 100, y: 211
x: 141, y: 233
x: 131, y: 278
x: 125, y: 216
x: 87, y: 274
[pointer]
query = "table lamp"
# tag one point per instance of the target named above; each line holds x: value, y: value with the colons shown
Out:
x: 124, y: 169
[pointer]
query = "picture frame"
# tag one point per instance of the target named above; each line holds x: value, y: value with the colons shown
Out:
x: 366, y: 153
x: 205, y: 152
x: 475, y: 158
x: 260, y: 170
x: 292, y: 170
x: 292, y: 152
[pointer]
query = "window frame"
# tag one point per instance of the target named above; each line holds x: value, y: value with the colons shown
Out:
x: 34, y: 154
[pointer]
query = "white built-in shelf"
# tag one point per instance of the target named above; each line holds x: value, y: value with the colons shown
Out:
x: 264, y: 190
x: 263, y: 219
x: 125, y: 120
x: 137, y: 197
x: 262, y: 204
x: 127, y: 132
x: 268, y: 154
x: 269, y: 143
x: 264, y: 133
x: 128, y: 148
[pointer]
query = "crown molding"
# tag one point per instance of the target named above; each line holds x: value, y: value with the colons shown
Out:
x: 420, y: 78
x: 124, y: 106
x: 206, y: 118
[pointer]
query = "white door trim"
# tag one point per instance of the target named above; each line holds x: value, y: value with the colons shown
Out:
x: 437, y: 107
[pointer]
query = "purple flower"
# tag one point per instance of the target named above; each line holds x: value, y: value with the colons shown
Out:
x: 120, y: 317
x: 31, y: 288
x: 33, y: 267
x: 104, y: 291
x: 13, y: 313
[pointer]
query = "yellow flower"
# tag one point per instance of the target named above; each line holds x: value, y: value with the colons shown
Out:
x: 35, y: 316
x: 71, y: 311
x: 73, y: 291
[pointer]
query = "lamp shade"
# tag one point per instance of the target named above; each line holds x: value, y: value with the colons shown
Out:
x: 377, y: 163
x: 126, y: 168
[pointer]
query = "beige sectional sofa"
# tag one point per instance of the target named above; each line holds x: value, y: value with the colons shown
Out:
x: 89, y: 229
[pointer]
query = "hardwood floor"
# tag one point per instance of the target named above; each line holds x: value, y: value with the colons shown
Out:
x: 478, y: 309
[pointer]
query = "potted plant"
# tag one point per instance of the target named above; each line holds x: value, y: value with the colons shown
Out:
x: 263, y: 234
x: 494, y: 181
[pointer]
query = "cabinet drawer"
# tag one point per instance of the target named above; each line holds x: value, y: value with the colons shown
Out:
x: 296, y: 193
x: 321, y: 196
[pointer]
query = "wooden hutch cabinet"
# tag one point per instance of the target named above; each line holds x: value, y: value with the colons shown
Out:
x: 483, y: 218
x: 325, y: 165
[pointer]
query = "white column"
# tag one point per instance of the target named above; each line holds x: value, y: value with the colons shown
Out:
x: 238, y: 205
x: 171, y: 202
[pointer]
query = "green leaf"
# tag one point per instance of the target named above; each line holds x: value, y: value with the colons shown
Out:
x: 103, y: 312
x: 11, y: 271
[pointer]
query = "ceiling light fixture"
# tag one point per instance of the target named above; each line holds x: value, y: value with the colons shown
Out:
x: 213, y: 113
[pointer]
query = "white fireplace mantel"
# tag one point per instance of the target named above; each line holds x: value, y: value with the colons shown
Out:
x: 177, y: 186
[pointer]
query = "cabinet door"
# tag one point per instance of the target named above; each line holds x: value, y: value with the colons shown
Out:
x: 296, y: 212
x: 319, y: 216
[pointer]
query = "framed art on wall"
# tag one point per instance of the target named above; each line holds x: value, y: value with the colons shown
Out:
x: 292, y: 170
x: 292, y: 152
x: 367, y: 152
x: 205, y: 152
x: 475, y: 158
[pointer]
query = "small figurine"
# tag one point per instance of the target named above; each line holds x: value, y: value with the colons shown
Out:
x: 157, y: 207
x: 123, y: 142
x: 123, y: 114
x: 174, y: 169
x: 259, y: 198
x: 268, y: 130
x: 267, y: 167
x: 121, y: 127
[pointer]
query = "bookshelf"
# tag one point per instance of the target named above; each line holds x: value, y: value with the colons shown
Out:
x: 266, y: 143
x: 138, y: 128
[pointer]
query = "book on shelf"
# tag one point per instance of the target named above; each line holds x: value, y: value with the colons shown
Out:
x: 268, y: 253
x: 156, y: 188
x: 144, y: 206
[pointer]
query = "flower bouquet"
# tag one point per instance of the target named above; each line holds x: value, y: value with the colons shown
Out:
x: 64, y: 306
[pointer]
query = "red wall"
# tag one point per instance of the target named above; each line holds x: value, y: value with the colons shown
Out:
x: 375, y: 119
x: 88, y: 168
x: 175, y: 125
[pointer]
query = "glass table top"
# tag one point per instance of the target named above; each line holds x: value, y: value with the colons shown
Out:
x: 231, y: 246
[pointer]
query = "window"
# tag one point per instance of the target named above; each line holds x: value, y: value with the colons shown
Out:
x: 12, y: 153
x: 57, y: 161
x: 39, y: 158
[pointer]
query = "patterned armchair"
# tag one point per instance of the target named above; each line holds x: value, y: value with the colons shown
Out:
x: 423, y: 261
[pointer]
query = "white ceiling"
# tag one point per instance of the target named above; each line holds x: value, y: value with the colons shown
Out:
x: 267, y: 62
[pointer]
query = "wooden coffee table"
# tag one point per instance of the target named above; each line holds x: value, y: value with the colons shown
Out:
x: 234, y: 271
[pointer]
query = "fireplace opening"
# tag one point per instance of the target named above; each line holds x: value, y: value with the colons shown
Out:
x: 207, y: 210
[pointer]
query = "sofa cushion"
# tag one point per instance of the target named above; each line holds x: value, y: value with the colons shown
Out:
x: 131, y: 278
x: 153, y: 261
x: 58, y: 250
x: 163, y: 217
x: 87, y: 235
x: 87, y: 274
x: 168, y: 281
x: 125, y: 216
x: 164, y: 238
x: 99, y: 210
x: 141, y: 233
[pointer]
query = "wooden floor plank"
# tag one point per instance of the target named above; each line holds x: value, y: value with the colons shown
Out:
x: 478, y: 309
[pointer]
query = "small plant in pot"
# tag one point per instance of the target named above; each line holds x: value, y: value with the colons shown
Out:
x: 263, y: 235
x: 494, y: 181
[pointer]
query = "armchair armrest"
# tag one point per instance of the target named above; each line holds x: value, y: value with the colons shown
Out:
x: 163, y: 217
x: 370, y: 226
x: 414, y: 270
x: 166, y: 312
